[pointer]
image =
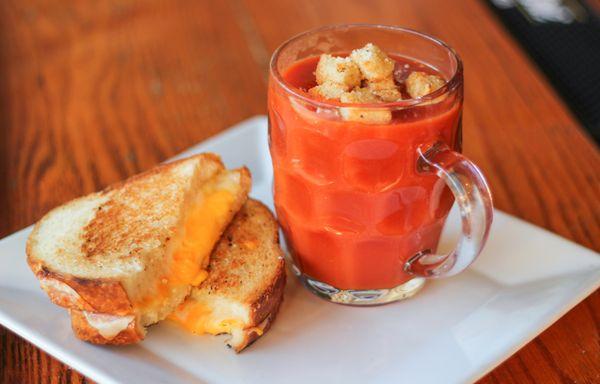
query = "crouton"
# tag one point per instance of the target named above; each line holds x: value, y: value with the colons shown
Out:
x: 339, y: 70
x: 359, y: 95
x: 419, y: 84
x: 374, y: 64
x: 388, y: 95
x: 363, y: 115
x: 385, y: 90
x: 328, y: 90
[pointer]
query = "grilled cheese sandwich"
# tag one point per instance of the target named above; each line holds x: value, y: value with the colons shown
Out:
x: 124, y: 258
x: 180, y: 240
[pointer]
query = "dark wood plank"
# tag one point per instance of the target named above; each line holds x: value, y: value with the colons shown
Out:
x: 91, y: 93
x: 96, y: 92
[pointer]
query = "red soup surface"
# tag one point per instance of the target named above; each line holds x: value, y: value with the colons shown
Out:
x: 348, y: 196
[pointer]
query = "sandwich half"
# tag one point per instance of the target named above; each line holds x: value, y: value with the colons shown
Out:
x: 126, y: 257
x: 245, y: 283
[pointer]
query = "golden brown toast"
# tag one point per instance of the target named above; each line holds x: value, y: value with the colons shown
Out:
x: 124, y: 258
x: 244, y: 288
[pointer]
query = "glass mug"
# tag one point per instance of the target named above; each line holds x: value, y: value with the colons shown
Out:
x: 362, y: 205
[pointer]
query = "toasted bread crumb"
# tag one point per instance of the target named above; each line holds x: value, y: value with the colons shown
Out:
x: 250, y: 244
x: 363, y: 115
x: 339, y: 70
x: 328, y: 90
x: 388, y: 95
x: 358, y: 95
x: 374, y: 64
x: 385, y: 90
x: 419, y: 84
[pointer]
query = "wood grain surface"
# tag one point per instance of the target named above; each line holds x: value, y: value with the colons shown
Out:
x: 93, y: 92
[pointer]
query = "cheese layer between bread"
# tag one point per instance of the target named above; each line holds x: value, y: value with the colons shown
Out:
x: 244, y: 287
x: 215, y: 204
x: 199, y: 318
x: 202, y: 228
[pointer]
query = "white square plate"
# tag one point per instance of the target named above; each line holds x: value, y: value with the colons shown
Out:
x: 454, y: 331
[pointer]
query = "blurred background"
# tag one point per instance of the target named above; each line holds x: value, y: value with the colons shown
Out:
x: 563, y: 38
x: 92, y: 92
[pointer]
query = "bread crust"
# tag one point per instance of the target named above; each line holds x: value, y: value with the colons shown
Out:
x: 98, y: 295
x: 264, y: 312
x: 265, y: 308
x: 84, y: 331
x: 270, y: 299
x: 162, y: 168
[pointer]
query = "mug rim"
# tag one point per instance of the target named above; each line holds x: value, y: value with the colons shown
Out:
x: 450, y: 85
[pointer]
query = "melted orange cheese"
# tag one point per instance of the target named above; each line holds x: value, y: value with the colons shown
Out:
x: 202, y: 229
x: 198, y: 319
x: 201, y: 232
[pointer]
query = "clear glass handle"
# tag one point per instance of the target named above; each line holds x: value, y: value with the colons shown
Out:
x: 475, y: 204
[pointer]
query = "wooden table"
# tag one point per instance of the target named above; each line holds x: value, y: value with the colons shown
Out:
x: 93, y: 92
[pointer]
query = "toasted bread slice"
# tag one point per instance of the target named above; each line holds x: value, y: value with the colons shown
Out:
x: 124, y: 258
x: 244, y: 288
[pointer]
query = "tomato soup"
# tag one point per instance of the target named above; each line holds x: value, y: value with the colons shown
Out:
x: 348, y: 196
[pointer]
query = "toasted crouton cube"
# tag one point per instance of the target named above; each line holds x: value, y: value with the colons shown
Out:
x: 328, y: 90
x: 339, y: 70
x: 374, y: 64
x: 363, y: 115
x: 385, y: 90
x: 359, y: 95
x: 388, y: 95
x: 387, y: 83
x: 419, y: 84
